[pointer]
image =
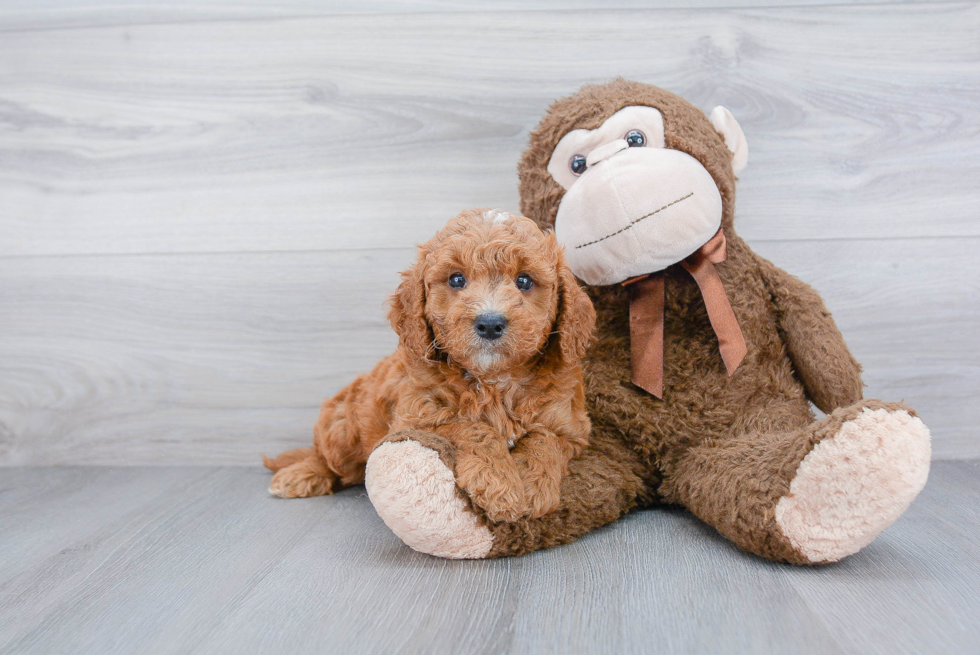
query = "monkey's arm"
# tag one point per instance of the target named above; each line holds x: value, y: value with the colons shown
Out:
x: 830, y: 374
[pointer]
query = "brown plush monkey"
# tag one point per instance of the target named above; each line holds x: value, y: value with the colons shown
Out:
x: 707, y: 357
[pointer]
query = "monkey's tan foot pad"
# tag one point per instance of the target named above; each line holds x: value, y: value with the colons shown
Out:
x: 853, y: 485
x: 414, y: 492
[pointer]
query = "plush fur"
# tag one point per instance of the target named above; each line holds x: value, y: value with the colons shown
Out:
x: 728, y: 448
x: 513, y: 408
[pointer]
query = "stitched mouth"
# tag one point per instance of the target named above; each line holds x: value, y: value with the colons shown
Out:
x: 633, y: 223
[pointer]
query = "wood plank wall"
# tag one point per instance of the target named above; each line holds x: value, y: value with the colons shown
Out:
x: 203, y: 207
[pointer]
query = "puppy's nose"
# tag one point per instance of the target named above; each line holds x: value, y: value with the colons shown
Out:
x: 490, y: 326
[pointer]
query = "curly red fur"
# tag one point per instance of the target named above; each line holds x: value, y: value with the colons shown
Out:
x: 514, y: 408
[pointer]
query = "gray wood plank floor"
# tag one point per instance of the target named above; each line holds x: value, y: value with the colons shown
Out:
x: 204, y: 204
x: 197, y: 559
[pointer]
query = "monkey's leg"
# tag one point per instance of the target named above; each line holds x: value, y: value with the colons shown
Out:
x: 813, y: 495
x: 411, y: 483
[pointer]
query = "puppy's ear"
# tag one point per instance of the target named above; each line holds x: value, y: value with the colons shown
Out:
x: 407, y: 310
x: 576, y: 315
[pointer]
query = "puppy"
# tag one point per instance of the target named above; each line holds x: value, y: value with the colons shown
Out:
x: 492, y: 327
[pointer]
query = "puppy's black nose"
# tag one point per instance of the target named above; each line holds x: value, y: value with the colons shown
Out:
x: 490, y: 326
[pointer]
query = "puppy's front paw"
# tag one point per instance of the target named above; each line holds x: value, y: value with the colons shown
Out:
x: 544, y: 497
x: 543, y: 491
x: 498, y: 490
x: 503, y: 506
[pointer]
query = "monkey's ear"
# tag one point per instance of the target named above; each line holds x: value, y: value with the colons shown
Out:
x: 725, y: 123
x: 406, y: 312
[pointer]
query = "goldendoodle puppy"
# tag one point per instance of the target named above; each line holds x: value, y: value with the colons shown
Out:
x: 492, y: 327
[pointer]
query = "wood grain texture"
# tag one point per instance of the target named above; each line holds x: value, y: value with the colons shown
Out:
x: 202, y: 208
x: 58, y: 14
x: 215, y: 358
x: 204, y: 205
x: 909, y: 573
x: 194, y: 559
x: 185, y: 358
x: 908, y: 309
x: 356, y: 131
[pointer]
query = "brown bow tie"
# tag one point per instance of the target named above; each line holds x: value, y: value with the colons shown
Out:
x: 646, y: 294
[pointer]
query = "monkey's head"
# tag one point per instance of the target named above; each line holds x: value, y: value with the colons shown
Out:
x: 632, y: 178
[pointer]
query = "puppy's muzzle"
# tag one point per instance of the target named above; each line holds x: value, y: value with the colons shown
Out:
x: 490, y: 326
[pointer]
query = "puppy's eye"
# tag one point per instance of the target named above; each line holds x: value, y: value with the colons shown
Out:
x: 635, y: 139
x: 524, y: 282
x: 457, y: 281
x: 577, y: 164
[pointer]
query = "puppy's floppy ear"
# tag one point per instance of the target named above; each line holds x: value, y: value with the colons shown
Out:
x: 407, y: 310
x: 576, y: 315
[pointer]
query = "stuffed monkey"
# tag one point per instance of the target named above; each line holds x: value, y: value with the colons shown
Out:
x: 705, y: 363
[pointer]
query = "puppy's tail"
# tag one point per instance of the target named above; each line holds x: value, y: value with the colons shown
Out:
x: 285, y: 459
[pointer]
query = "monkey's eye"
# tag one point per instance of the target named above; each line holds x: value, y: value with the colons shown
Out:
x: 577, y: 164
x: 524, y: 282
x: 457, y: 281
x: 635, y: 139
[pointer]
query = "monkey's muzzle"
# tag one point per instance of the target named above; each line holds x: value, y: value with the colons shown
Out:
x: 636, y: 211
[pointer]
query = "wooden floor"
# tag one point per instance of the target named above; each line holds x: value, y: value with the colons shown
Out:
x: 203, y: 205
x: 195, y: 559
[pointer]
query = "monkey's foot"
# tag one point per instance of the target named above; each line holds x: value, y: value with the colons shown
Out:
x: 853, y: 485
x: 415, y: 494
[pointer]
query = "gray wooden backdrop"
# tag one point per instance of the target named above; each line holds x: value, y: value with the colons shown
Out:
x: 204, y: 205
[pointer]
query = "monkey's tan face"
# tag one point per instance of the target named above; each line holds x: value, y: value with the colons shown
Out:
x: 631, y: 206
x: 492, y: 293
